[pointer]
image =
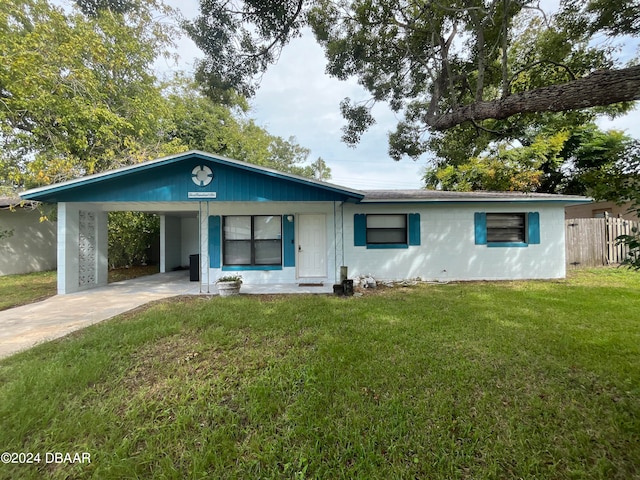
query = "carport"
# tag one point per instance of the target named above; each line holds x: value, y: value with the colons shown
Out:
x: 82, y: 239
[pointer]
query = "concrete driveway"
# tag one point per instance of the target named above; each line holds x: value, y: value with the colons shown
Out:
x: 23, y: 327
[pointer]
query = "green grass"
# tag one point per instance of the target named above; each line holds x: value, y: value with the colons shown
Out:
x: 478, y: 380
x: 28, y: 288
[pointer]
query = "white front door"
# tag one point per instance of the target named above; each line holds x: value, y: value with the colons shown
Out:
x: 312, y: 246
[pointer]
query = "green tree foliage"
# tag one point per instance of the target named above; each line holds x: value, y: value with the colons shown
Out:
x: 77, y: 92
x: 131, y: 238
x: 524, y: 169
x: 582, y: 161
x: 443, y: 65
x: 240, y: 39
x: 616, y: 178
x: 599, y: 163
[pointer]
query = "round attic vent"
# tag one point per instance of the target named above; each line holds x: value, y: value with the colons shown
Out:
x: 202, y: 175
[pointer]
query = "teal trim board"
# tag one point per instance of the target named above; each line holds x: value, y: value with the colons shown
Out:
x: 246, y: 268
x: 507, y: 244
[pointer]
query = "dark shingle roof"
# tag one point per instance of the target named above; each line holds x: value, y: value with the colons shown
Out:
x: 439, y: 195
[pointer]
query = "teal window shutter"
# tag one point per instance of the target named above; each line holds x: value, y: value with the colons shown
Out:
x: 360, y: 230
x: 288, y: 241
x: 414, y: 229
x: 214, y: 241
x: 480, y: 220
x: 534, y: 228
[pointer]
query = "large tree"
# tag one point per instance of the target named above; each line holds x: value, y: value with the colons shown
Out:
x: 442, y: 63
x: 77, y: 92
x: 79, y: 95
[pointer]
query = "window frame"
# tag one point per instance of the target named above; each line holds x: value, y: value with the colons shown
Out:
x: 382, y: 245
x: 524, y: 234
x: 253, y: 241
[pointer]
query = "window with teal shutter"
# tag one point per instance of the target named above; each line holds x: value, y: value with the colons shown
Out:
x: 507, y: 229
x: 386, y: 230
x: 252, y: 241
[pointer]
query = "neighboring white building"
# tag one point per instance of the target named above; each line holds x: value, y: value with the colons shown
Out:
x: 31, y: 245
x: 277, y: 228
x: 600, y: 209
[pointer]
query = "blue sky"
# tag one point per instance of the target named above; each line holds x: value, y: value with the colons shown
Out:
x: 297, y: 99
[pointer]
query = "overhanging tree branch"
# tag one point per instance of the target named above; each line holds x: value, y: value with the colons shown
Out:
x: 600, y: 88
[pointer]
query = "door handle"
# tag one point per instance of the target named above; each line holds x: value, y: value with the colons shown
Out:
x: 299, y: 248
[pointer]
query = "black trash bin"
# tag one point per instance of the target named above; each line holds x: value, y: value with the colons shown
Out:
x: 194, y: 267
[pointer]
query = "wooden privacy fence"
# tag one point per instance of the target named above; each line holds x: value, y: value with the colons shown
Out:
x: 591, y: 242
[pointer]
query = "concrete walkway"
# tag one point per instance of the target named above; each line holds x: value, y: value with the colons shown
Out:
x: 23, y: 327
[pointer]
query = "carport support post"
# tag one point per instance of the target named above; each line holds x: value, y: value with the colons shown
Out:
x: 163, y: 244
x: 203, y: 222
x: 68, y: 250
x: 95, y: 253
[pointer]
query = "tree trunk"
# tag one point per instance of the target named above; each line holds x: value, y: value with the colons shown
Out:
x: 600, y: 88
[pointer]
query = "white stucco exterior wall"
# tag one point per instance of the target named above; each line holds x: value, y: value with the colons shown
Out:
x: 447, y: 249
x: 31, y: 247
x: 170, y: 243
x: 189, y: 235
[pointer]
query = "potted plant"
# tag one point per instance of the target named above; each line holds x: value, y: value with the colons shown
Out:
x: 229, y: 285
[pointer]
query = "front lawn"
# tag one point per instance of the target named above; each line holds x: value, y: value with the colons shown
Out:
x: 478, y: 380
x: 26, y: 288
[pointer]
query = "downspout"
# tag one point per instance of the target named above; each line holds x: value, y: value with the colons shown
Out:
x: 335, y: 245
x: 339, y: 262
x: 342, y: 232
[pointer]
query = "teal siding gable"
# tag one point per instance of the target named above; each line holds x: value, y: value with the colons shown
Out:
x: 171, y: 180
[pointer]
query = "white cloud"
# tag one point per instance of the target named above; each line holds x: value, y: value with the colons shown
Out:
x: 297, y: 98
